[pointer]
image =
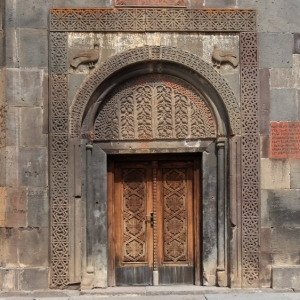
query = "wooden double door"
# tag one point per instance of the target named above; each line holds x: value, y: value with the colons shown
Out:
x: 154, y: 223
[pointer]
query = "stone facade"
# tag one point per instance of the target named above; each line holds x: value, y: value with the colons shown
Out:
x: 34, y: 45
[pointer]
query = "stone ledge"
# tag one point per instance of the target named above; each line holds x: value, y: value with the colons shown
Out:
x: 286, y: 277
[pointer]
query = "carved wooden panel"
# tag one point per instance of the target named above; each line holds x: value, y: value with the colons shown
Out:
x: 154, y: 107
x: 134, y: 200
x: 175, y: 215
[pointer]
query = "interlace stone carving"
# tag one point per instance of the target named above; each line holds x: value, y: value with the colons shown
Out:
x: 152, y: 20
x: 167, y: 3
x: 147, y: 53
x: 154, y: 107
x: 250, y: 159
x: 134, y: 215
x: 175, y: 215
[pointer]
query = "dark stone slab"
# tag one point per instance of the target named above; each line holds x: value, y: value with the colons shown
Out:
x: 34, y: 279
x: 45, y: 99
x: 33, y: 48
x: 266, y: 257
x: 296, y: 43
x: 264, y: 146
x: 285, y: 244
x: 38, y: 207
x: 20, y: 90
x: 33, y: 167
x: 284, y: 208
x: 264, y: 103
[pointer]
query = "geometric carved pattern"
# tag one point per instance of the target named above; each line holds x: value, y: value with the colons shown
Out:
x: 167, y: 3
x: 250, y: 158
x: 147, y: 53
x: 134, y: 200
x: 175, y: 215
x: 175, y: 19
x: 59, y: 52
x: 154, y: 107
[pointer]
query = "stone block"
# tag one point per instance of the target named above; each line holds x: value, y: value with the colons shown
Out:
x: 275, y: 50
x: 12, y: 166
x: 285, y: 243
x: 283, y: 208
x: 2, y: 207
x: 75, y: 83
x: 38, y: 207
x: 275, y: 174
x: 295, y: 174
x: 264, y: 146
x: 12, y: 126
x: 33, y: 48
x: 220, y: 3
x: 296, y: 43
x: 281, y: 78
x: 28, y: 14
x: 264, y: 103
x: 24, y: 87
x: 284, y: 105
x: 2, y: 48
x: 45, y: 98
x: 12, y: 44
x: 264, y: 210
x: 196, y: 4
x: 31, y: 117
x: 33, y: 167
x: 9, y: 279
x: 2, y: 86
x: 82, y: 3
x: 234, y: 83
x: 34, y: 279
x: 2, y: 167
x: 16, y: 207
x: 10, y: 242
x: 286, y: 277
x: 266, y: 257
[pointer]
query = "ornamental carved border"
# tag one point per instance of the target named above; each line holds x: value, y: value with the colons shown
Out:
x: 158, y: 53
x: 63, y: 21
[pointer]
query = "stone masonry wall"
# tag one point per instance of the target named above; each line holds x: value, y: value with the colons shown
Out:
x: 24, y: 201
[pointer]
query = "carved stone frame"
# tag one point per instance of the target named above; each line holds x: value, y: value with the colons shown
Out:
x: 243, y: 149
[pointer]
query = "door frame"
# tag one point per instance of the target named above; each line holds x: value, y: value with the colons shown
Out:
x: 196, y: 159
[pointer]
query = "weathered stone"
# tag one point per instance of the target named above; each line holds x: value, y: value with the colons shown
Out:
x: 275, y: 174
x: 34, y: 279
x: 45, y: 97
x: 275, y: 50
x: 285, y: 277
x: 12, y: 44
x: 264, y: 210
x: 266, y: 257
x: 281, y: 78
x: 284, y: 105
x: 264, y: 111
x: 33, y: 48
x: 82, y: 3
x: 2, y: 207
x: 12, y: 166
x: 234, y: 83
x: 33, y: 167
x: 196, y: 4
x: 2, y: 86
x: 31, y: 117
x: 295, y: 174
x: 75, y: 82
x: 296, y: 43
x: 2, y: 167
x: 24, y: 87
x: 2, y: 48
x: 9, y: 279
x: 29, y: 14
x: 283, y: 208
x: 16, y: 207
x: 38, y: 207
x: 285, y: 244
x: 13, y: 126
x: 220, y: 3
x: 264, y: 146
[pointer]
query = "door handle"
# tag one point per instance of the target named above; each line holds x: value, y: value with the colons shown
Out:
x: 151, y: 216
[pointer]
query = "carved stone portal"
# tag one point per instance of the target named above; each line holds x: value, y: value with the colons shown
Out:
x: 154, y: 107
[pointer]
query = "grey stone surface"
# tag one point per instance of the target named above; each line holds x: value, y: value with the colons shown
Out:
x: 275, y: 50
x: 8, y: 279
x: 33, y: 167
x: 285, y: 244
x: 2, y: 49
x: 34, y: 279
x: 196, y: 4
x: 12, y: 126
x: 45, y: 98
x: 12, y: 44
x: 75, y: 82
x: 275, y: 16
x: 82, y: 3
x: 31, y: 126
x: 2, y: 166
x: 266, y: 257
x: 234, y: 83
x: 286, y: 277
x: 284, y: 105
x: 283, y: 208
x: 12, y: 166
x: 33, y: 48
x: 38, y: 207
x: 24, y: 87
x: 295, y: 174
x: 220, y: 3
x: 254, y: 296
x: 28, y: 14
x: 296, y: 43
x: 264, y: 111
